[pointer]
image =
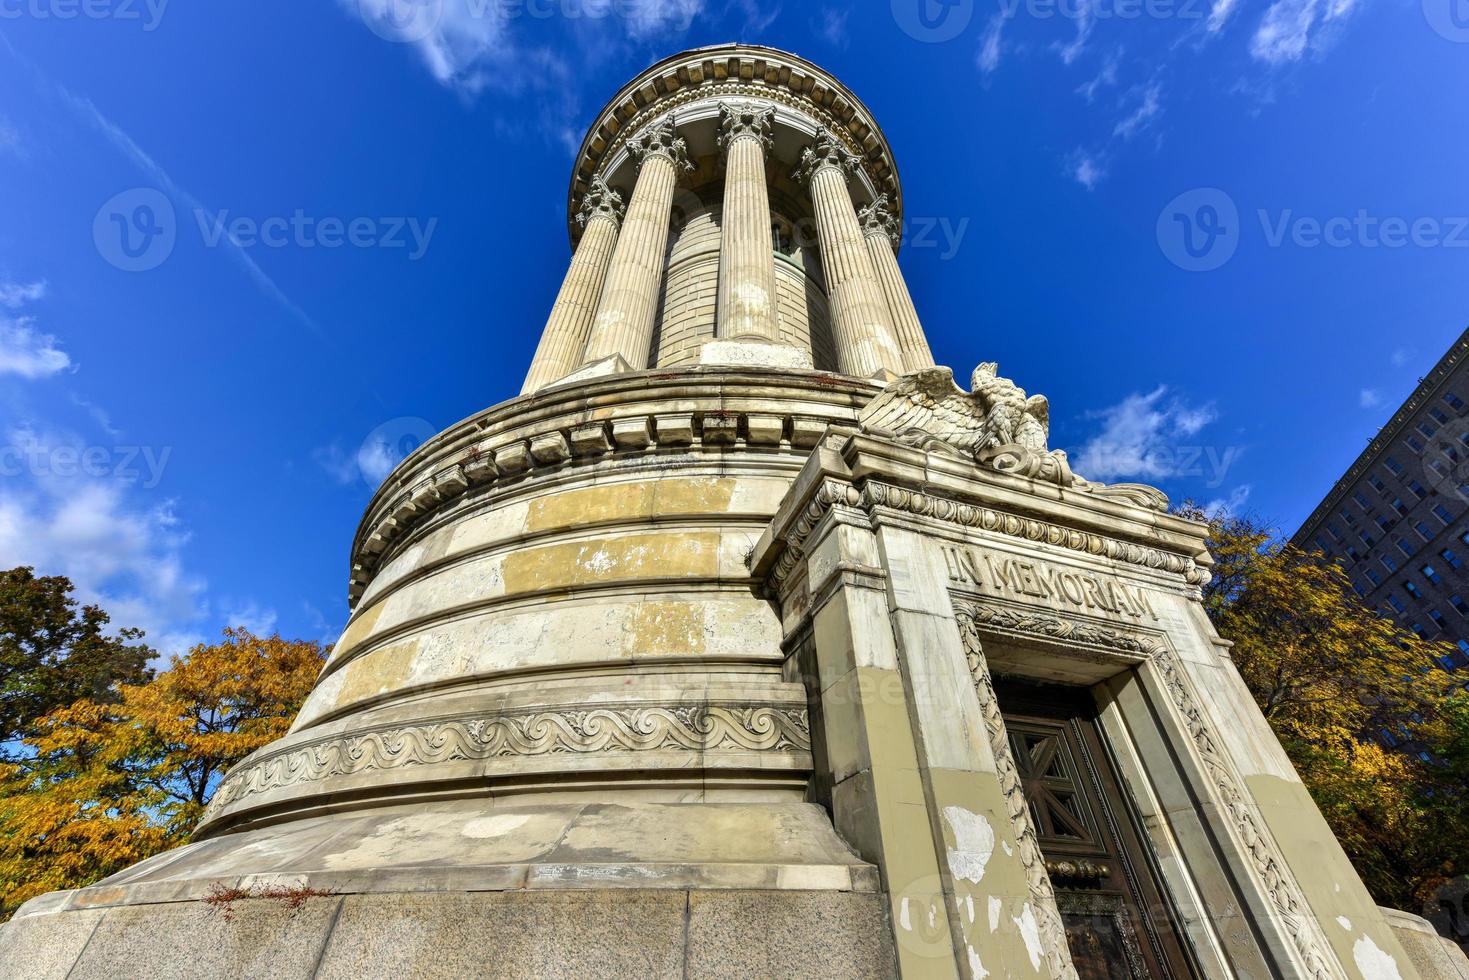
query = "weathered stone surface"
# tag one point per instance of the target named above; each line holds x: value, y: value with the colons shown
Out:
x: 45, y: 947
x: 788, y: 934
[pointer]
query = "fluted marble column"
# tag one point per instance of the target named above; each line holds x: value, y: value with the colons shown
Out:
x: 883, y: 235
x: 863, y: 326
x: 564, y: 340
x: 747, y: 305
x: 629, y: 305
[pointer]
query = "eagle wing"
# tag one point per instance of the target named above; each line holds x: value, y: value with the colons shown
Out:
x: 928, y: 401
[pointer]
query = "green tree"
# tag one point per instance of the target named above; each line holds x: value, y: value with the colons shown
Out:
x: 54, y: 652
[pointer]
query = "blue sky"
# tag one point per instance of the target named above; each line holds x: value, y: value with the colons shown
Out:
x: 334, y: 243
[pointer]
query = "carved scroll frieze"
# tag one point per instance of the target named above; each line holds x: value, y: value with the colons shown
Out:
x: 1053, y: 627
x: 702, y: 728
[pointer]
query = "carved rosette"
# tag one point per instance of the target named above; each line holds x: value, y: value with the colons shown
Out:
x: 826, y: 152
x: 698, y: 728
x: 601, y: 201
x: 661, y: 139
x: 877, y: 219
x: 746, y: 120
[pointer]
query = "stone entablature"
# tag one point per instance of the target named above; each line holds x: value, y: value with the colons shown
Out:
x: 695, y: 82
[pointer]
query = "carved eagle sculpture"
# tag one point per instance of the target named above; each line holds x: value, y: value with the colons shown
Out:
x: 927, y: 406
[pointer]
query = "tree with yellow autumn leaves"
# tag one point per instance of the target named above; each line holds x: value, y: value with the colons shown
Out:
x: 107, y: 780
x: 1378, y: 731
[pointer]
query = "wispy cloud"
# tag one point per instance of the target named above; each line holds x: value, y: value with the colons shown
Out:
x: 1141, y: 437
x: 120, y: 140
x: 1402, y: 356
x: 1291, y: 28
x: 1085, y: 21
x: 1148, y: 107
x: 25, y: 351
x: 1219, y: 15
x: 992, y: 45
x: 1370, y: 398
x: 1230, y: 506
x: 832, y: 25
x: 1106, y: 78
x: 1087, y: 170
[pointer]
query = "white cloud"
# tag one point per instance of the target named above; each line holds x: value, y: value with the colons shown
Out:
x: 121, y: 551
x: 1085, y: 21
x: 1230, y: 506
x: 1402, y: 356
x: 1087, y: 170
x: 25, y: 351
x: 18, y: 294
x: 1219, y: 15
x: 257, y: 619
x: 992, y: 46
x: 1105, y: 78
x: 1370, y: 398
x: 1290, y: 28
x: 1143, y: 437
x: 1149, y: 106
x: 833, y: 26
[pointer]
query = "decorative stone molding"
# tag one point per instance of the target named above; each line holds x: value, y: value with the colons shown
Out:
x: 746, y: 120
x: 661, y: 139
x: 601, y: 201
x: 483, y: 465
x: 539, y: 732
x: 877, y: 219
x: 1037, y: 878
x: 825, y: 152
x: 1052, y: 627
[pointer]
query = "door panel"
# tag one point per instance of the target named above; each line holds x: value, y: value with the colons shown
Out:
x: 1118, y: 924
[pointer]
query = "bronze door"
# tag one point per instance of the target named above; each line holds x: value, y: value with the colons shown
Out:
x: 1118, y: 924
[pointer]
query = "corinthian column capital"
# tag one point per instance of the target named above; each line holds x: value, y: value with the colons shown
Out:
x: 826, y: 152
x: 661, y: 139
x: 600, y: 201
x: 877, y: 219
x: 747, y: 119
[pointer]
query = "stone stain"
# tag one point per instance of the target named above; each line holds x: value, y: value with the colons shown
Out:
x: 674, y: 554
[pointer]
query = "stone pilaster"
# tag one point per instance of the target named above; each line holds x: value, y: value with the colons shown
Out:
x: 625, y: 316
x: 747, y: 308
x: 564, y: 340
x: 863, y: 325
x: 883, y: 235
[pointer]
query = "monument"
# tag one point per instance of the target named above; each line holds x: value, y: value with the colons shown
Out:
x: 744, y: 642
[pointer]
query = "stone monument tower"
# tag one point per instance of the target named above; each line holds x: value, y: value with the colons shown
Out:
x: 745, y: 643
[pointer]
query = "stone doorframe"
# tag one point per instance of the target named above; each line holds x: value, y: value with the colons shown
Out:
x: 914, y: 761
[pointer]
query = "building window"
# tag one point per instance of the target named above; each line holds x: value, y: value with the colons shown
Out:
x: 1438, y: 416
x: 1378, y: 485
x: 1331, y: 530
x: 1430, y: 573
x: 1389, y: 564
x: 1454, y: 401
x: 1417, y: 489
x: 1448, y: 555
x: 1427, y: 428
x: 1399, y: 506
x: 1385, y: 523
x: 1397, y: 604
x: 1407, y: 548
x: 1464, y: 647
x: 1460, y: 606
x: 1367, y: 540
x: 1418, y: 628
x: 1361, y: 501
x: 1374, y: 577
x: 1423, y: 531
x: 1443, y: 514
x: 1361, y: 592
x: 1347, y: 516
x: 1414, y: 444
x: 1412, y: 589
x: 1395, y: 466
x: 1321, y: 544
x: 1438, y: 620
x: 1352, y: 554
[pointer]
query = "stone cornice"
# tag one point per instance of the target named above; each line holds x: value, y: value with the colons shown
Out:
x: 1448, y: 366
x: 689, y: 410
x: 736, y: 72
